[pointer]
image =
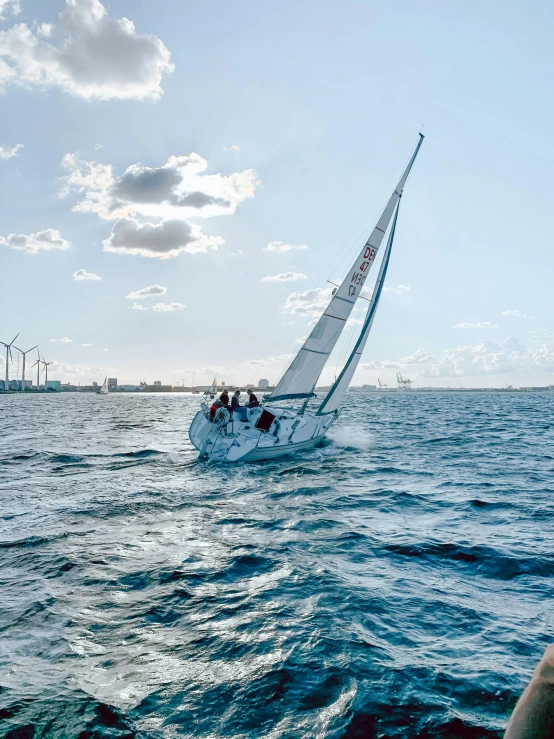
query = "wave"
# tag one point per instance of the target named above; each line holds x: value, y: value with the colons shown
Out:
x: 489, y: 561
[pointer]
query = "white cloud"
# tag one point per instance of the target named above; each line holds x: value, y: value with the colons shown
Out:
x: 83, y: 175
x: 165, y: 307
x: 516, y: 314
x: 45, y: 29
x: 280, y: 246
x: 138, y: 306
x: 309, y: 303
x: 97, y: 57
x: 147, y: 292
x: 481, y: 359
x: 9, y: 6
x: 285, y: 277
x: 234, y: 147
x: 278, y: 360
x: 163, y: 240
x: 481, y: 324
x: 177, y: 189
x: 99, y: 146
x: 85, y: 344
x: 81, y: 274
x: 9, y: 153
x: 106, y: 350
x: 63, y: 340
x: 32, y: 243
x: 398, y: 290
x: 72, y: 372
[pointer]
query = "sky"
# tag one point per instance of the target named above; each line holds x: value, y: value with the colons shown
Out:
x: 179, y: 181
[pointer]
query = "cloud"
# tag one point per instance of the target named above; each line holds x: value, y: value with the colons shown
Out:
x: 63, y: 340
x: 163, y: 240
x: 99, y: 146
x: 138, y: 306
x: 280, y: 246
x: 398, y: 290
x: 85, y: 344
x: 309, y: 303
x: 97, y: 56
x: 279, y: 360
x: 165, y: 307
x: 516, y: 314
x: 177, y: 189
x: 9, y: 6
x: 481, y: 359
x: 106, y: 350
x: 285, y: 277
x: 147, y: 292
x: 33, y: 243
x: 70, y: 372
x: 82, y: 275
x: 481, y: 324
x: 234, y: 147
x: 9, y: 153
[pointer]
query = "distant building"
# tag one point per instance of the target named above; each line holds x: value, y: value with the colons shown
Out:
x: 222, y: 384
x: 112, y: 384
x: 369, y: 387
x: 263, y: 384
x: 54, y: 385
x: 157, y: 383
x: 157, y: 387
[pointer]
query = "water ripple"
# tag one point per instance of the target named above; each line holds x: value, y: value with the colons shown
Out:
x: 391, y: 583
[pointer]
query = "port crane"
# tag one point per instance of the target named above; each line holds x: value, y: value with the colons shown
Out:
x: 403, y: 382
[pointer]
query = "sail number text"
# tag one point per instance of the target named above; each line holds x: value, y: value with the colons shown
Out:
x: 358, y: 277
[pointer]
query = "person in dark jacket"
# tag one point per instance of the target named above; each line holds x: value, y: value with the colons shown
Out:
x: 253, y: 401
x: 239, y: 409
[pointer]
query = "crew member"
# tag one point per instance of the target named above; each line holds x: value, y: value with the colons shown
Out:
x: 253, y: 401
x: 224, y: 397
x: 239, y: 409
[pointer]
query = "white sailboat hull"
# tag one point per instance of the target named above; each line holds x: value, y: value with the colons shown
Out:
x: 235, y: 441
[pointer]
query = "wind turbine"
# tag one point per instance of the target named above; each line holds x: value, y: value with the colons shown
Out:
x: 24, y: 359
x: 46, y: 365
x: 8, y: 357
x: 38, y: 363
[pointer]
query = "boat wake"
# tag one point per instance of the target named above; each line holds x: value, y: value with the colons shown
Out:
x: 351, y: 437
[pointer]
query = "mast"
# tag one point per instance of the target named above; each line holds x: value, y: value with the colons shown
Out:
x: 337, y: 392
x: 300, y: 378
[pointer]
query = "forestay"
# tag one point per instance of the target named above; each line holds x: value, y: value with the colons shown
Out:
x: 335, y: 395
x: 301, y: 377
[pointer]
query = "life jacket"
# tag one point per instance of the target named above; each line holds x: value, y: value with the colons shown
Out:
x: 213, y: 409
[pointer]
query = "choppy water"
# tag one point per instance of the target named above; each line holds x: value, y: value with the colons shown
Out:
x: 395, y: 583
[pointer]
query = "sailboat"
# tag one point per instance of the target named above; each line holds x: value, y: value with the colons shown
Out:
x: 273, y: 430
x: 103, y: 389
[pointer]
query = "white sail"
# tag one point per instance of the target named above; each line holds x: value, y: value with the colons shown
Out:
x: 300, y: 379
x: 337, y: 392
x: 104, y: 389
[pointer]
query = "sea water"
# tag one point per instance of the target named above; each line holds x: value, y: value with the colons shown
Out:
x: 395, y: 582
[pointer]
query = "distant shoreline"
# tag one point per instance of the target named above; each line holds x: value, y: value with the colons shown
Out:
x: 354, y: 390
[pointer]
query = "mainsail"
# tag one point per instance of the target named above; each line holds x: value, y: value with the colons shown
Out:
x: 300, y: 379
x: 340, y: 386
